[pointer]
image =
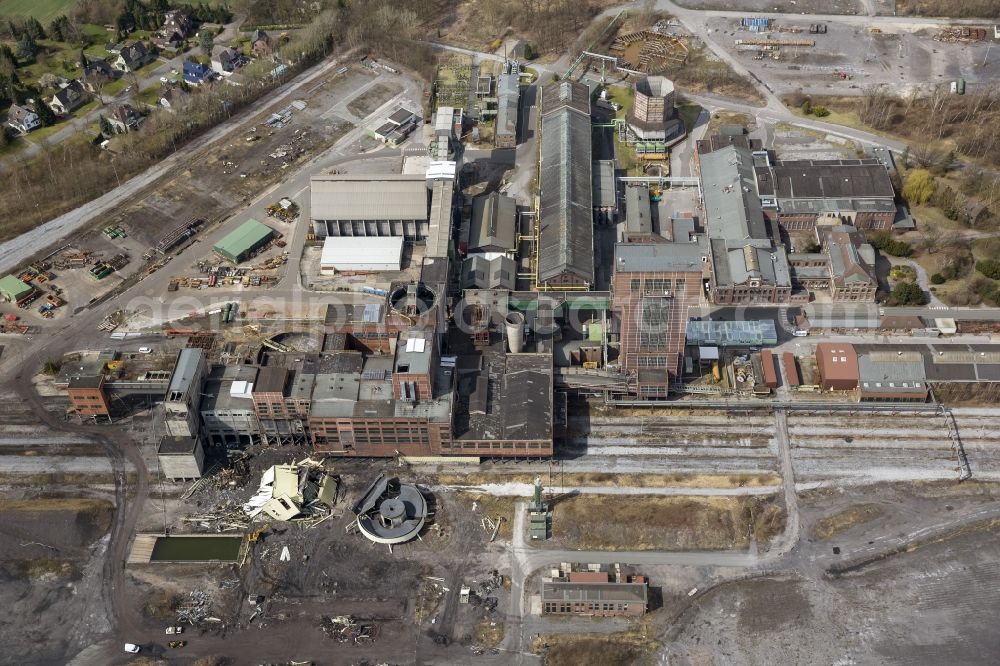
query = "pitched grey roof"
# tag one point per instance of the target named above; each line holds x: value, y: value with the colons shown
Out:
x: 732, y: 206
x: 566, y: 234
x: 478, y: 272
x: 638, y: 213
x: 493, y: 220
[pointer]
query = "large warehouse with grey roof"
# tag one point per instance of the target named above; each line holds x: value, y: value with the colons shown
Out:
x: 370, y: 205
x: 565, y: 215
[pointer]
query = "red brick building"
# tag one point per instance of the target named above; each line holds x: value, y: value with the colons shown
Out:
x: 87, y: 396
x: 653, y: 286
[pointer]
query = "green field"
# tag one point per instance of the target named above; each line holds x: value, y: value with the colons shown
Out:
x: 43, y: 10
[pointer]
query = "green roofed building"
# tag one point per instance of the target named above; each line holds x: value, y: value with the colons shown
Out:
x: 12, y: 289
x: 238, y: 244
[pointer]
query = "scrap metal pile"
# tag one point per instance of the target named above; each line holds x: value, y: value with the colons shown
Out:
x: 196, y: 609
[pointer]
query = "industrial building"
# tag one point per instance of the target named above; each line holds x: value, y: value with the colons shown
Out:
x: 183, y: 399
x: 181, y: 458
x: 483, y: 272
x: 361, y: 254
x: 594, y: 591
x: 653, y: 286
x: 565, y: 215
x: 746, y: 266
x: 801, y: 194
x: 639, y: 227
x: 243, y: 241
x: 508, y: 94
x: 837, y: 364
x: 844, y: 267
x: 370, y: 205
x: 13, y: 290
x: 653, y: 116
x: 493, y: 224
x: 227, y: 411
x: 748, y: 333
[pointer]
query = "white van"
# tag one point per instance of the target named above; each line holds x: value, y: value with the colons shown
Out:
x: 800, y: 333
x: 132, y: 648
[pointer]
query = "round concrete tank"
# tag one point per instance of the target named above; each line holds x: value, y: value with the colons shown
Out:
x: 515, y: 332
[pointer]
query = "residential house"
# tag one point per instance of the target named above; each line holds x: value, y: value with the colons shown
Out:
x: 177, y: 26
x: 22, y: 119
x: 133, y: 55
x: 225, y: 60
x: 96, y: 73
x: 70, y: 97
x: 124, y: 118
x: 196, y: 73
x: 261, y: 44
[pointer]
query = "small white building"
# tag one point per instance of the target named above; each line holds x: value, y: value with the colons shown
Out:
x: 361, y: 254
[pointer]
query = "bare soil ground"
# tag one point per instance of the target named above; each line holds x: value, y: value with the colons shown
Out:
x: 53, y: 531
x: 951, y: 8
x: 663, y: 523
x: 937, y: 592
x: 620, y: 649
x: 372, y: 98
x: 842, y: 521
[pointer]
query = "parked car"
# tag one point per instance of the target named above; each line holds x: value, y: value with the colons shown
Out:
x: 145, y: 350
x: 164, y: 79
x: 132, y: 647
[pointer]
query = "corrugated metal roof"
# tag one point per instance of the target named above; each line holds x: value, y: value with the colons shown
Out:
x: 243, y: 238
x: 566, y: 234
x: 368, y: 197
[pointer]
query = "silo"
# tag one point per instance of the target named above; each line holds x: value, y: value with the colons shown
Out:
x: 514, y: 323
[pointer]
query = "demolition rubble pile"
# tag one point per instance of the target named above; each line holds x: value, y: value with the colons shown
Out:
x: 298, y: 491
x: 348, y: 629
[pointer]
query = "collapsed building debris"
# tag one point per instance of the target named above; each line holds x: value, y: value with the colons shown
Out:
x: 295, y: 491
x: 349, y: 629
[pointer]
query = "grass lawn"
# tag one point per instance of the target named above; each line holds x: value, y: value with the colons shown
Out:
x: 933, y: 216
x: 624, y: 96
x: 41, y: 134
x: 43, y: 10
x: 149, y: 95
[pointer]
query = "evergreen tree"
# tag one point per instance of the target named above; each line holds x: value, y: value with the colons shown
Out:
x: 45, y: 114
